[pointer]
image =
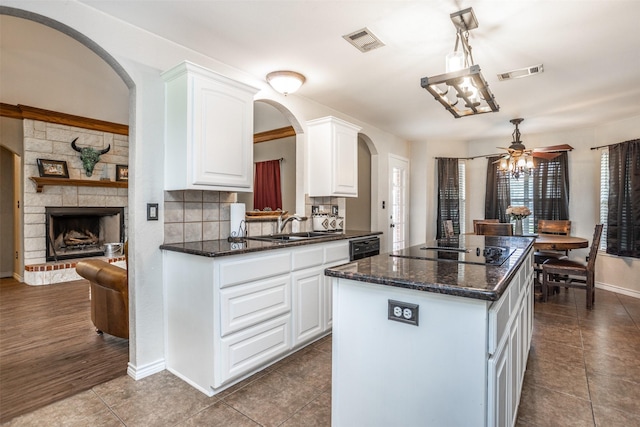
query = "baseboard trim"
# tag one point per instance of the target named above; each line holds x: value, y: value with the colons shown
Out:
x: 618, y: 290
x: 140, y: 372
x: 18, y: 277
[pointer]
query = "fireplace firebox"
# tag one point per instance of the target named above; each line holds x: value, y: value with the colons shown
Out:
x: 73, y: 232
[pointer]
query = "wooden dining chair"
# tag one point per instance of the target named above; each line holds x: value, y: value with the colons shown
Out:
x: 557, y: 227
x: 495, y: 229
x: 550, y: 226
x: 478, y: 221
x: 553, y: 226
x: 573, y: 274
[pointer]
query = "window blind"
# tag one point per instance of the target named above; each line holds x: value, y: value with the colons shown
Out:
x: 462, y: 195
x: 604, y: 196
x: 521, y: 193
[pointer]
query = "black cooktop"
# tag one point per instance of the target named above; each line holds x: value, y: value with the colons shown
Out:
x: 458, y: 250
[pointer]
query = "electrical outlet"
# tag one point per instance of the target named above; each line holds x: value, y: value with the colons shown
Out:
x: 404, y: 312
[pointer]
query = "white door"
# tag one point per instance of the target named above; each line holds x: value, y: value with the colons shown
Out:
x: 398, y: 202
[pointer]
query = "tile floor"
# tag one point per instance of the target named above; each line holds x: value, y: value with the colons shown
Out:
x: 583, y: 370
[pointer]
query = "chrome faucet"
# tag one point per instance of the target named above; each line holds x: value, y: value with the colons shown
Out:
x: 282, y: 223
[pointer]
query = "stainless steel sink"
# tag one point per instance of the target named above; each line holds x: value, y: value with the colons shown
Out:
x: 290, y: 237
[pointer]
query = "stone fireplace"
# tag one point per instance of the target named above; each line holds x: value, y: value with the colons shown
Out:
x: 50, y: 250
x: 81, y: 232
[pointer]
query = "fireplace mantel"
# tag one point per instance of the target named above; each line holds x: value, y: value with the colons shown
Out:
x: 42, y: 181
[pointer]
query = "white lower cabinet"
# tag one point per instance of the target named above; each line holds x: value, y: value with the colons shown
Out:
x: 308, y: 297
x: 328, y: 306
x: 229, y: 317
x: 507, y: 365
x: 312, y: 291
x: 498, y: 387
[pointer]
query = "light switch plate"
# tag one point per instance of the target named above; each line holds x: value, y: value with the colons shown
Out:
x: 152, y: 211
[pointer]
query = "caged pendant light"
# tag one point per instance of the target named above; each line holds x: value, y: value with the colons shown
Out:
x: 462, y: 90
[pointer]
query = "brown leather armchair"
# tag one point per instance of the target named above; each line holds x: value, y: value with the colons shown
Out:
x: 109, y: 296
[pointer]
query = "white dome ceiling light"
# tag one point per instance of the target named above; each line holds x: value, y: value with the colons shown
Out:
x: 285, y: 82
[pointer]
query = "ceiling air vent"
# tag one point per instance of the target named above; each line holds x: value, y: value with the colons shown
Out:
x: 363, y: 40
x: 522, y: 72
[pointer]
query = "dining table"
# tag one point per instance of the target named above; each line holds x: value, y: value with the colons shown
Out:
x: 556, y: 242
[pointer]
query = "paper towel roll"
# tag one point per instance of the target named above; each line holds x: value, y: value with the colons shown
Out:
x: 237, y: 216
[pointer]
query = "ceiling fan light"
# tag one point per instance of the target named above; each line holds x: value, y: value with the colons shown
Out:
x: 530, y: 163
x: 522, y: 162
x: 285, y: 82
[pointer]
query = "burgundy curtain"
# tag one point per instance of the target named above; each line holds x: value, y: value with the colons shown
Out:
x: 266, y: 186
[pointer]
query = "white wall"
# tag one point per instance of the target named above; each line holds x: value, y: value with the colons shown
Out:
x: 143, y: 57
x: 64, y: 75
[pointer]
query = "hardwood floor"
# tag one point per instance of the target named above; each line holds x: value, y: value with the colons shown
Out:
x: 49, y: 349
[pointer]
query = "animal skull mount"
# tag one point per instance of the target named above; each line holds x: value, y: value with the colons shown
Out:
x: 89, y: 156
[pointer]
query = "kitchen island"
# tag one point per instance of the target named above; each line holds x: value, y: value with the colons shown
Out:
x: 433, y: 337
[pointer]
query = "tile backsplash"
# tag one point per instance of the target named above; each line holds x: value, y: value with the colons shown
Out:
x: 195, y: 215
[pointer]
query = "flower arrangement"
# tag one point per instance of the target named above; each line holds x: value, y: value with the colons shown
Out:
x: 518, y: 212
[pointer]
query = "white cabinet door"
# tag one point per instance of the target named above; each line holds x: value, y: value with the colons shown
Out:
x: 308, y: 296
x: 327, y: 322
x: 514, y: 368
x: 333, y: 157
x: 209, y: 130
x: 498, y: 393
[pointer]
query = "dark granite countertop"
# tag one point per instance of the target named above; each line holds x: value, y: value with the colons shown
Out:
x: 486, y: 282
x: 217, y: 248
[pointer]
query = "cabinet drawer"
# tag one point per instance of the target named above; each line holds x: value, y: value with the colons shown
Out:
x: 306, y: 258
x: 247, y: 305
x: 498, y: 320
x: 247, y: 269
x: 253, y: 347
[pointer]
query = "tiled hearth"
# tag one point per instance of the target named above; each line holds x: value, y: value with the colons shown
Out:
x: 43, y: 140
x: 63, y: 271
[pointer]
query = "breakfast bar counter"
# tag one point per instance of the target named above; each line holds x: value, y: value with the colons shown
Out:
x: 436, y: 334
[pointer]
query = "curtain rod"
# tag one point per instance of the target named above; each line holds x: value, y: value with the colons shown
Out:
x: 469, y: 158
x: 609, y: 145
x: 281, y: 159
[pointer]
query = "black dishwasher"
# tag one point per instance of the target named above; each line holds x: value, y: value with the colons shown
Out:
x: 364, y: 247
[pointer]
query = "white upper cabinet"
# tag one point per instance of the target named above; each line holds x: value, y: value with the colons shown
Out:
x: 333, y: 157
x: 209, y: 130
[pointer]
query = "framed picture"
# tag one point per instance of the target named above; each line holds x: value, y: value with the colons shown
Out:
x: 122, y: 173
x: 53, y: 168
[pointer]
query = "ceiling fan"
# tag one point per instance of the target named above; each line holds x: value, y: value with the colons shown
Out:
x: 519, y: 159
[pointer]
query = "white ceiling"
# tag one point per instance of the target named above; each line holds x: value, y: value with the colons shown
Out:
x: 590, y: 51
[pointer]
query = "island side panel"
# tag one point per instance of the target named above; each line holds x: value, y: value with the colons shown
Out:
x: 391, y: 373
x: 189, y: 299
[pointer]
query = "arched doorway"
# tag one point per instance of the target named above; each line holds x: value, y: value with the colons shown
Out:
x: 42, y: 38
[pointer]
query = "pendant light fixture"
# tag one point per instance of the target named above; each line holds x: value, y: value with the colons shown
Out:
x: 285, y: 82
x: 519, y: 161
x: 462, y: 90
